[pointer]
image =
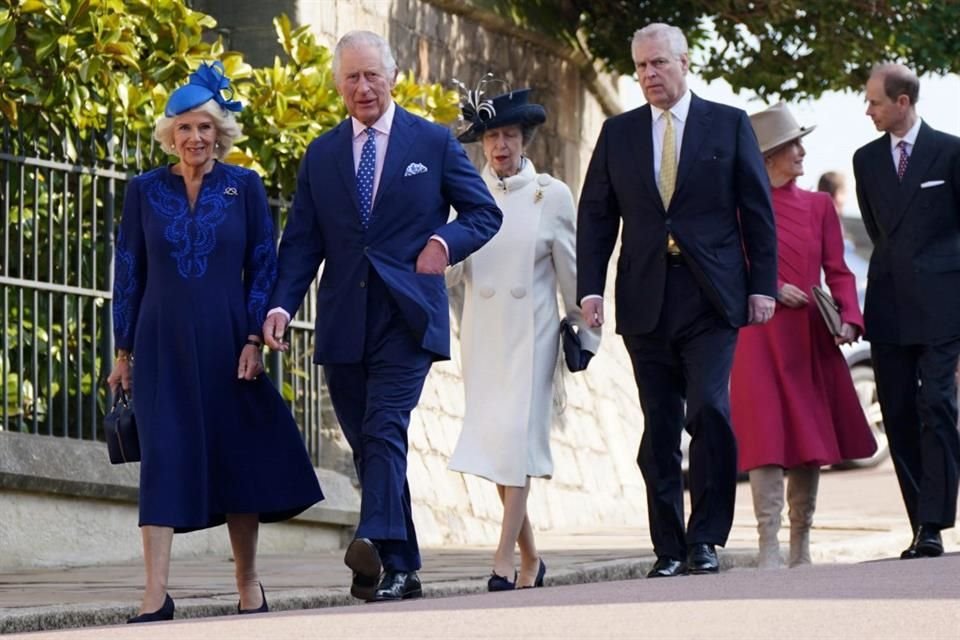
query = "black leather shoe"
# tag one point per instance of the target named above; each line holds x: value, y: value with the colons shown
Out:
x: 927, y: 543
x: 702, y: 558
x: 398, y: 585
x: 667, y: 567
x: 163, y: 613
x: 263, y: 608
x: 364, y: 560
x: 499, y: 583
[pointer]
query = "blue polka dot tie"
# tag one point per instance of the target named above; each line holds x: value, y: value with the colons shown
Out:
x: 368, y: 164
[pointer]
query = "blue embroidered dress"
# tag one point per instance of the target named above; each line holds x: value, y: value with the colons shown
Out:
x: 190, y: 286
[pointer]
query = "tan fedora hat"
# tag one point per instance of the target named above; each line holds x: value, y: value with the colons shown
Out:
x: 776, y: 126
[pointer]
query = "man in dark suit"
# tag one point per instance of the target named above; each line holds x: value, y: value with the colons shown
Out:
x: 697, y: 261
x: 908, y: 186
x: 372, y: 203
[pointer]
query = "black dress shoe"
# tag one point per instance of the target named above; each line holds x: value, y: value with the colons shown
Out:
x: 263, y: 608
x: 398, y: 585
x: 667, y: 567
x: 499, y: 583
x: 702, y: 558
x: 163, y: 613
x: 364, y: 560
x: 927, y: 543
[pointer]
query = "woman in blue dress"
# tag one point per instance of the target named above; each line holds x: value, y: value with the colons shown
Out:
x: 195, y: 264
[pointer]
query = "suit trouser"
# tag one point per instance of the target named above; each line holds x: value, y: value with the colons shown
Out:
x: 687, y: 357
x: 917, y: 389
x: 373, y: 400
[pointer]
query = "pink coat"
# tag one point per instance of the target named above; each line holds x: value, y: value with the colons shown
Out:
x: 793, y: 401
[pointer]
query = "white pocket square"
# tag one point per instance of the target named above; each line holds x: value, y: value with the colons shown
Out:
x: 931, y: 183
x: 413, y: 169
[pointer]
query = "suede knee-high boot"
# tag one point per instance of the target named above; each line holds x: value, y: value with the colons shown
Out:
x: 802, y: 485
x: 766, y: 483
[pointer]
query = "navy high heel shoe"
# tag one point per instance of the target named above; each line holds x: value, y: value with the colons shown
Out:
x: 499, y: 583
x: 263, y: 608
x: 541, y: 572
x: 163, y: 613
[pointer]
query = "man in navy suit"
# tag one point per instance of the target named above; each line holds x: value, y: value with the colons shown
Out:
x: 697, y: 261
x: 908, y: 186
x: 372, y: 203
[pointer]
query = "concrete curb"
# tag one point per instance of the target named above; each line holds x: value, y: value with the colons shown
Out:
x: 867, y: 546
x: 111, y: 613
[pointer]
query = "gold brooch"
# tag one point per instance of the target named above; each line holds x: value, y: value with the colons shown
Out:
x: 538, y: 196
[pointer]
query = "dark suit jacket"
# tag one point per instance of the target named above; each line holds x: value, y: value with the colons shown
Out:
x: 913, y: 284
x: 720, y: 215
x: 425, y: 172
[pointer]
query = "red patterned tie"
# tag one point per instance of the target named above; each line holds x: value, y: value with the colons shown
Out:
x: 902, y: 164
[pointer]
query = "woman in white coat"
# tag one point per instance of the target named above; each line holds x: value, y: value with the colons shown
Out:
x: 509, y: 333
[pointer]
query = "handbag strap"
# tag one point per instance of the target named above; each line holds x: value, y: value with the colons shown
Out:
x: 121, y: 398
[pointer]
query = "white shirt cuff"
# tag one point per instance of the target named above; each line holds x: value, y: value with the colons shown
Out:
x: 279, y: 310
x: 590, y: 297
x: 444, y: 243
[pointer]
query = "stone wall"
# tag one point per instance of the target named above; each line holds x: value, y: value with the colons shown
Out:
x: 596, y: 436
x: 62, y: 504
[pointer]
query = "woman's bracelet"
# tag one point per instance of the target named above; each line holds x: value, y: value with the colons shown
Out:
x: 254, y: 343
x: 125, y: 357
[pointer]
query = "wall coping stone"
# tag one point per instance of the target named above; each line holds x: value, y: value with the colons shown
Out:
x: 64, y: 466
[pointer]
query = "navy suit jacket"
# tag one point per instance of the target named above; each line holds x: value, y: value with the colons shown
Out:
x: 720, y: 215
x: 914, y: 276
x: 324, y: 227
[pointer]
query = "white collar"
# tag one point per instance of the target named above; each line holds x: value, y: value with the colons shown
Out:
x: 679, y: 111
x: 910, y: 137
x: 381, y: 126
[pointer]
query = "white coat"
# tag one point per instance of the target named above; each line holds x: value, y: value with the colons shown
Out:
x: 510, y: 331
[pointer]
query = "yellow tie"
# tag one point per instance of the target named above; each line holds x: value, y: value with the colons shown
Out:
x: 668, y: 162
x: 668, y: 174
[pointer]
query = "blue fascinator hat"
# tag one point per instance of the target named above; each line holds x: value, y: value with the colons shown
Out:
x: 208, y: 82
x: 483, y: 113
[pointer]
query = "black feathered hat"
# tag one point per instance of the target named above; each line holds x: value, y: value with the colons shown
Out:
x: 484, y: 114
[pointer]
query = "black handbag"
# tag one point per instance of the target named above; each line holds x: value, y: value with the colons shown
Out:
x: 120, y: 428
x: 576, y: 357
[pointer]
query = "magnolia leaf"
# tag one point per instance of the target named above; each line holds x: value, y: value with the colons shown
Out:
x: 32, y: 6
x: 8, y: 32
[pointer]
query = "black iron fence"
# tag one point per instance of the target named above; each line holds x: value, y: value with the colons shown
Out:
x: 60, y: 196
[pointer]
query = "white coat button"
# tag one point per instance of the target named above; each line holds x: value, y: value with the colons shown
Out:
x: 486, y: 292
x: 518, y: 292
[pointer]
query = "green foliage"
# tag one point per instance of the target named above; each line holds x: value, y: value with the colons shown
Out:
x: 76, y: 61
x: 780, y: 48
x: 87, y: 63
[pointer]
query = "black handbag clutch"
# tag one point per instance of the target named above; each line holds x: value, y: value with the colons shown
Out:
x: 576, y: 357
x: 120, y: 428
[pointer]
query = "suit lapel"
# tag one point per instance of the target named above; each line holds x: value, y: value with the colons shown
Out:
x: 401, y: 140
x: 344, y: 155
x: 643, y: 143
x: 695, y: 131
x: 923, y: 154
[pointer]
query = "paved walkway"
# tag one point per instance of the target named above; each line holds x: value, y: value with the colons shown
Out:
x: 859, y: 518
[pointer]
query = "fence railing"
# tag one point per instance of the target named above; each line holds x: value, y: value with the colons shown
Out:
x: 60, y: 196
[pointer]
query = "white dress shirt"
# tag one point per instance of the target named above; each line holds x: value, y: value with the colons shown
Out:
x: 679, y: 113
x: 382, y: 127
x: 910, y: 138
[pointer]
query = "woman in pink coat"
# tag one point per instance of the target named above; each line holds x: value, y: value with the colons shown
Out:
x: 794, y: 407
